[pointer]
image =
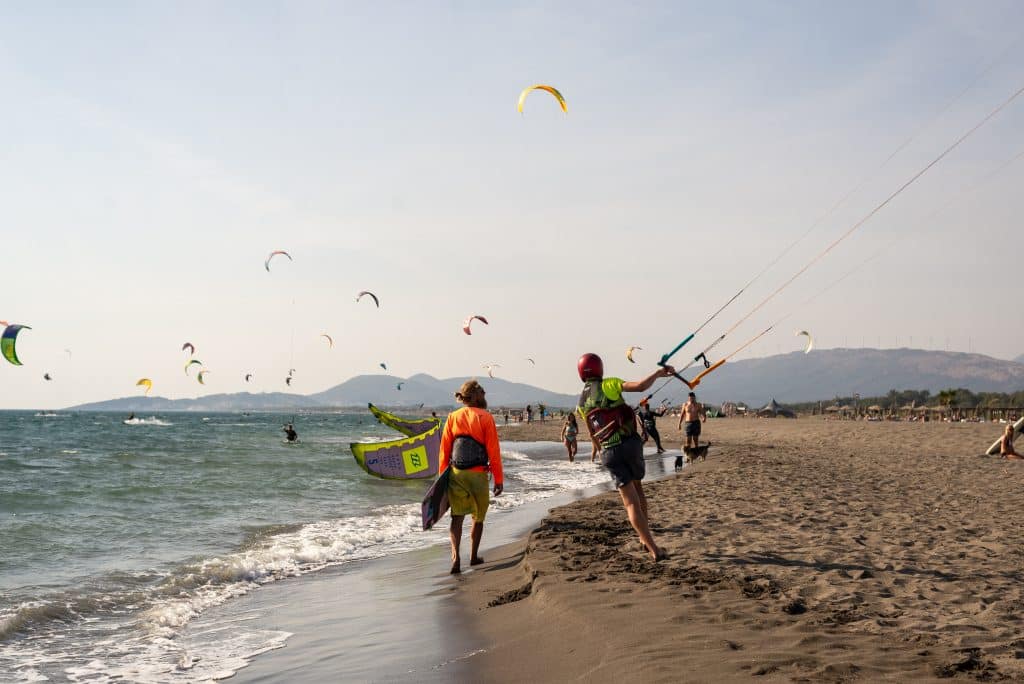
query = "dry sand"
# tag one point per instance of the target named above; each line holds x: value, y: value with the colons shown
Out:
x: 802, y: 550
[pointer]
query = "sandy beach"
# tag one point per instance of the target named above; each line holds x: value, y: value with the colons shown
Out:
x: 802, y: 550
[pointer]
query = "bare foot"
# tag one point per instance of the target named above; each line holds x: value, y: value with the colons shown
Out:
x: 476, y: 561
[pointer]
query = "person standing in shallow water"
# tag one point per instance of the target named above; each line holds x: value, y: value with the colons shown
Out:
x: 612, y: 424
x: 469, y: 443
x: 569, y: 430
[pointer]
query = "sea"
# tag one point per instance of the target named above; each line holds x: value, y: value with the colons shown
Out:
x: 116, y: 535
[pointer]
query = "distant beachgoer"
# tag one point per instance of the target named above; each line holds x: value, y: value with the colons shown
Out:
x: 132, y: 416
x: 569, y: 431
x: 433, y: 414
x: 648, y: 418
x: 506, y: 417
x: 289, y: 432
x: 612, y: 423
x: 692, y: 414
x: 529, y: 413
x: 542, y: 410
x: 469, y: 443
x: 1006, y: 446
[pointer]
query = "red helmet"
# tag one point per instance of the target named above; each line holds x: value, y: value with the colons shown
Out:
x: 591, y: 367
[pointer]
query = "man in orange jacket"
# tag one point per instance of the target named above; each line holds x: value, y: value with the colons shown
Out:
x: 469, y: 443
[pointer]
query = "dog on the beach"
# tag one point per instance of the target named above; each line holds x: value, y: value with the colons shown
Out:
x: 692, y: 454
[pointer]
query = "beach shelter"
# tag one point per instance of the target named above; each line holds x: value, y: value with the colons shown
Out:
x: 773, y: 409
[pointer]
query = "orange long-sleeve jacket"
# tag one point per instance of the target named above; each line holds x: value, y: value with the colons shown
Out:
x: 478, y: 424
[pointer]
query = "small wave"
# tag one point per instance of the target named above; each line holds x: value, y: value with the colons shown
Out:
x: 50, y: 414
x: 69, y: 451
x: 146, y: 421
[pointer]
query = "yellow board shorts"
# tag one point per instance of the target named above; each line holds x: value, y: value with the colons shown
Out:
x: 468, y: 493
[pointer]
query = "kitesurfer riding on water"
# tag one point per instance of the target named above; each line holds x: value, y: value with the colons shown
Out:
x: 612, y: 424
x: 289, y: 433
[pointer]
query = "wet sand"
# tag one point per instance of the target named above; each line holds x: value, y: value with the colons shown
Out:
x: 802, y: 550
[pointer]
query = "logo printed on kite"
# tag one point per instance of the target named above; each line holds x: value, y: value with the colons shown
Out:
x: 415, y: 460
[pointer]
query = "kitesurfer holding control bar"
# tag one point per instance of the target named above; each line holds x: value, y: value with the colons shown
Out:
x: 612, y: 424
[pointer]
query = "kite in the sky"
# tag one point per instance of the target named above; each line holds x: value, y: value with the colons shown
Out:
x: 145, y: 382
x: 266, y: 264
x: 532, y: 362
x: 329, y: 340
x: 383, y: 365
x: 46, y: 376
x: 192, y: 362
x: 248, y: 377
x: 629, y: 353
x: 200, y: 376
x: 367, y: 292
x: 7, y: 343
x: 810, y: 340
x: 466, y: 323
x: 68, y: 352
x: 399, y: 386
x: 546, y: 88
x: 288, y: 381
x: 190, y: 347
x: 489, y: 367
x: 291, y: 372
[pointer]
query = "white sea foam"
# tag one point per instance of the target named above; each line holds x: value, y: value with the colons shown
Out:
x: 152, y: 420
x: 143, y: 640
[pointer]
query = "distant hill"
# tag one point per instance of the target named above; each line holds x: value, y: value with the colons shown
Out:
x: 425, y: 389
x: 214, y: 402
x: 357, y: 391
x: 797, y: 377
x: 1019, y: 359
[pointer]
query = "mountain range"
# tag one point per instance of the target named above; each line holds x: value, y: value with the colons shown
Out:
x: 793, y: 377
x: 358, y: 391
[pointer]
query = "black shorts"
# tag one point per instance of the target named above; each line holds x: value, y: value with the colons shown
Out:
x: 625, y: 461
x: 692, y: 428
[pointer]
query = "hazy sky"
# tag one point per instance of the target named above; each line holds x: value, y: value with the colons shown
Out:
x: 155, y: 153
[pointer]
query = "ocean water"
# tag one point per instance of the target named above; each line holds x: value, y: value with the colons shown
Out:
x: 114, y: 537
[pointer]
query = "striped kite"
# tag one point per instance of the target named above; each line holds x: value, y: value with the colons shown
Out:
x: 266, y: 264
x: 7, y: 343
x: 547, y: 88
x: 192, y: 362
x: 200, y: 376
x: 466, y: 323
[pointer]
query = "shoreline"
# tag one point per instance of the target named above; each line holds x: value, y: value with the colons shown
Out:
x: 803, y: 550
x: 385, y: 619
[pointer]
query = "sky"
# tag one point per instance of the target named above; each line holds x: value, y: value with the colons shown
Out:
x: 156, y: 153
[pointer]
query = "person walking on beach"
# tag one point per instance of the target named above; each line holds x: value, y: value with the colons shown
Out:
x: 612, y: 423
x: 693, y: 415
x: 469, y: 443
x: 648, y: 418
x: 529, y: 413
x: 1006, y: 446
x: 569, y: 431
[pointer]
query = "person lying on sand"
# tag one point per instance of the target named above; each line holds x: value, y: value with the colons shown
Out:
x: 1006, y: 446
x: 611, y: 422
x: 469, y: 443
